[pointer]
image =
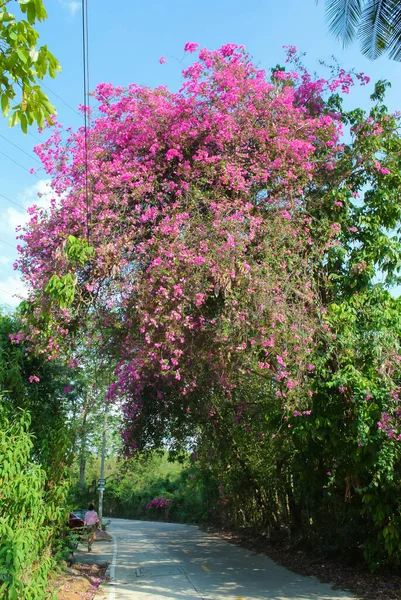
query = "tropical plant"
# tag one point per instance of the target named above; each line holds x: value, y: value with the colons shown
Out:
x: 23, y: 64
x: 48, y: 392
x: 376, y: 23
x: 30, y: 513
x: 237, y: 238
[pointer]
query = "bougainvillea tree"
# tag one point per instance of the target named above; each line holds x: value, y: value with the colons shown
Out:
x: 191, y: 242
x: 210, y: 240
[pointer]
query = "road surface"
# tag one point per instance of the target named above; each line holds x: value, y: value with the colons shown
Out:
x: 167, y: 561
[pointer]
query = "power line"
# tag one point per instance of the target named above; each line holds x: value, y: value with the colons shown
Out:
x: 35, y: 138
x: 61, y: 99
x: 22, y: 166
x: 8, y: 244
x: 16, y: 295
x: 20, y: 149
x: 85, y: 68
x: 13, y: 202
x: 87, y: 52
x: 5, y: 292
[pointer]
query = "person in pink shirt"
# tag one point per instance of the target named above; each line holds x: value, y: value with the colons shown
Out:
x: 92, y: 522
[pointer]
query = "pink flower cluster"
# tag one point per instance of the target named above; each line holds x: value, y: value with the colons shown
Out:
x: 159, y: 503
x: 391, y: 424
x: 196, y: 213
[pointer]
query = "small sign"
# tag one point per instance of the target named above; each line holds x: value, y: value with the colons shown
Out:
x: 100, y: 488
x: 101, y: 482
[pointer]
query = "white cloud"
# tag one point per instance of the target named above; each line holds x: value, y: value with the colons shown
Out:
x: 39, y: 193
x: 11, y: 217
x: 9, y: 287
x: 72, y: 6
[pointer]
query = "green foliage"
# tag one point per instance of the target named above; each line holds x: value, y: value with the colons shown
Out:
x: 22, y: 64
x: 45, y: 400
x: 30, y: 514
x: 323, y: 474
x: 376, y: 24
x: 305, y: 461
x: 37, y: 439
x: 152, y: 476
x: 78, y: 251
x: 62, y: 289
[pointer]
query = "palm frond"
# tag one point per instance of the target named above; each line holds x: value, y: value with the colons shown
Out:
x: 343, y: 17
x: 375, y: 27
x: 394, y: 44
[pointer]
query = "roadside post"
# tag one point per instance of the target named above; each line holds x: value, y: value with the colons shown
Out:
x: 101, y: 486
x: 102, y: 481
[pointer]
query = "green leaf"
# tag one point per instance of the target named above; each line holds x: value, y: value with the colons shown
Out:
x: 14, y: 119
x: 23, y: 55
x: 5, y: 105
x: 24, y: 123
x: 6, y: 17
x: 31, y: 13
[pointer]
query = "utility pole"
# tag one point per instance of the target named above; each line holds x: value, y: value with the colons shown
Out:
x: 102, y: 480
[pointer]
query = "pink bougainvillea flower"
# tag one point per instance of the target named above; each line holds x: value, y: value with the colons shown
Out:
x: 191, y: 47
x: 201, y: 235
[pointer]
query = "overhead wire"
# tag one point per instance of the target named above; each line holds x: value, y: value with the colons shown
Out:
x: 35, y: 137
x: 22, y: 167
x: 86, y: 116
x: 8, y: 244
x: 86, y: 98
x: 13, y: 202
x: 61, y: 99
x: 18, y: 295
x: 85, y: 68
x: 85, y: 54
x: 20, y: 149
x: 8, y: 293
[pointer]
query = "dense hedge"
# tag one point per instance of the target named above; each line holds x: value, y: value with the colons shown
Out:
x: 30, y: 514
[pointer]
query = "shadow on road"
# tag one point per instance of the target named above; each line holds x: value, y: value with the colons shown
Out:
x: 171, y: 561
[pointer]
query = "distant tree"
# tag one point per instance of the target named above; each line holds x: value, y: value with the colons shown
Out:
x: 22, y: 64
x: 376, y: 23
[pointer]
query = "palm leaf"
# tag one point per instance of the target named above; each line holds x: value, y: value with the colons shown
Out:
x: 394, y: 45
x: 375, y: 27
x: 344, y: 17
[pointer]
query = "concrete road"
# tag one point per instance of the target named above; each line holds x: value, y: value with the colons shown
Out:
x: 166, y: 561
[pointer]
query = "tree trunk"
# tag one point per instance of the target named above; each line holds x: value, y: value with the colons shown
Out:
x: 82, y: 460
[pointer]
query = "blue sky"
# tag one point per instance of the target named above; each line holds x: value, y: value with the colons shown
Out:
x: 126, y: 40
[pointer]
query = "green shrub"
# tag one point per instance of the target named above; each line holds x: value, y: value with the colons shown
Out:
x: 29, y: 514
x: 135, y: 491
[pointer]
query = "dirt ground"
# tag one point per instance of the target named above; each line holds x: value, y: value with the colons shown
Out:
x: 79, y: 582
x: 356, y: 578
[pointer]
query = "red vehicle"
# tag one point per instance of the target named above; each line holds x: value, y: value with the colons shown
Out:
x: 75, y: 522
